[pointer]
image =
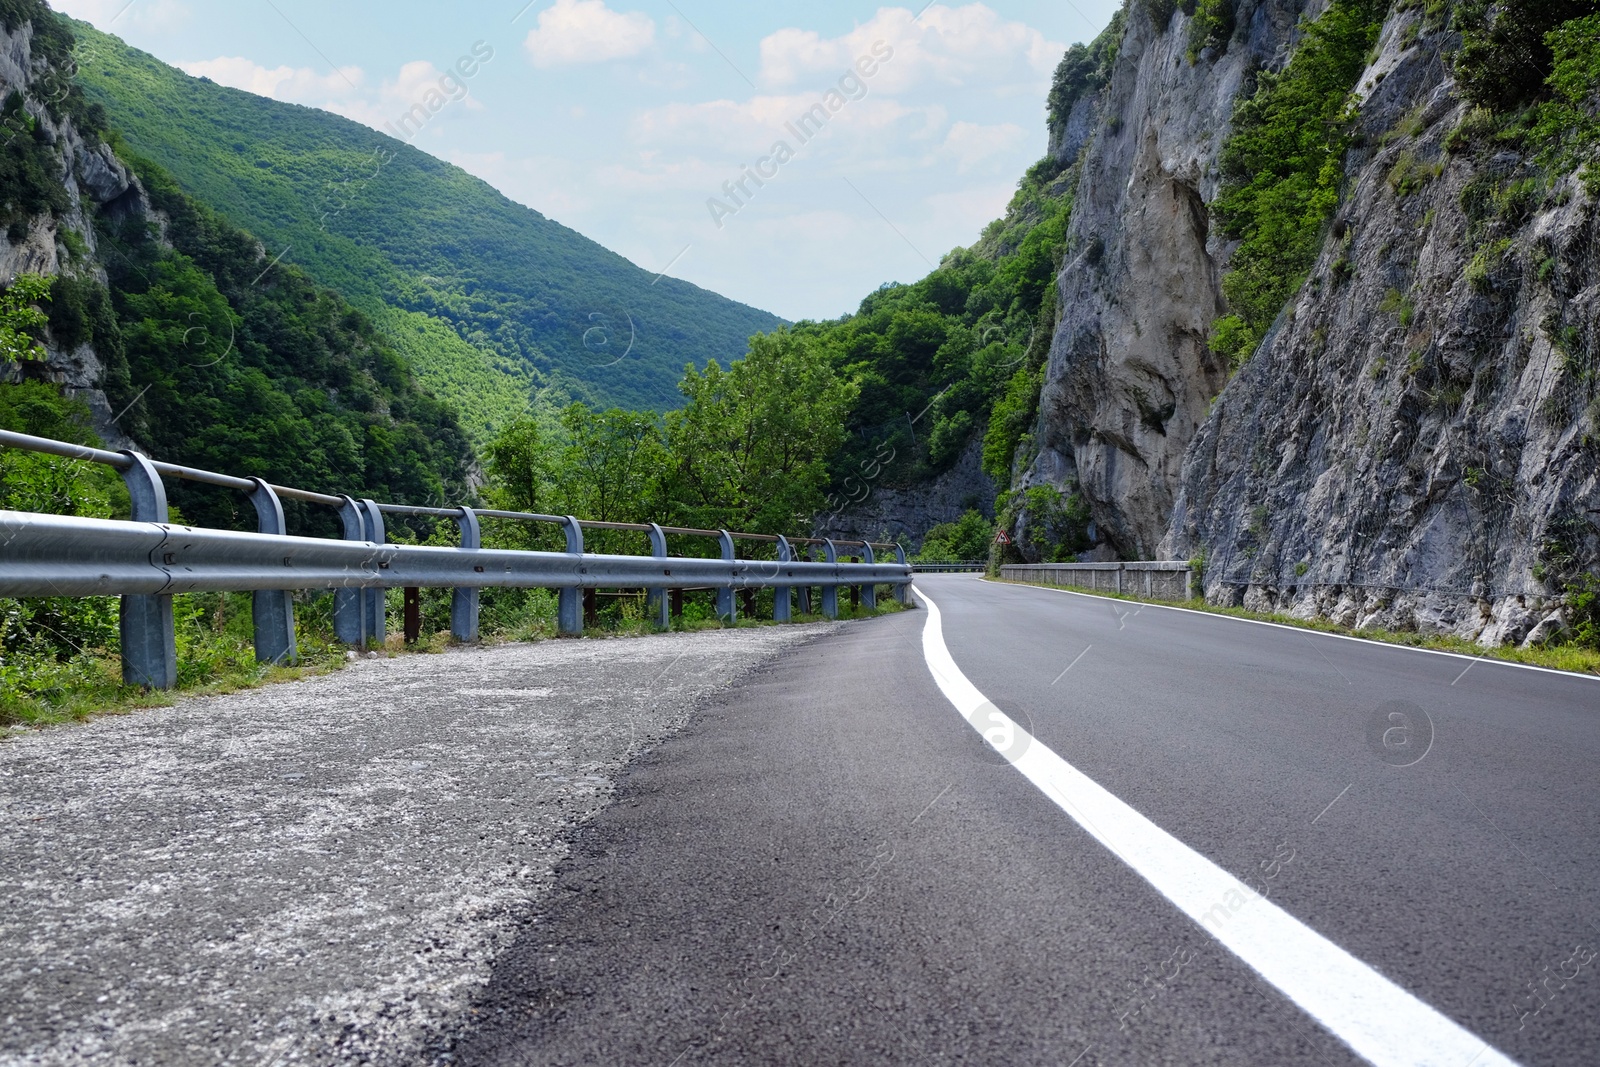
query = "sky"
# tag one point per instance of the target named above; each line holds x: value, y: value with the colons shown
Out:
x: 674, y: 132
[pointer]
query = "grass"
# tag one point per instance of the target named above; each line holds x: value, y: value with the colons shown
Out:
x: 1572, y: 658
x: 216, y: 655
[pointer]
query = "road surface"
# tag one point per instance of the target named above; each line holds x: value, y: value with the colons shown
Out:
x: 1207, y: 841
x: 319, y: 872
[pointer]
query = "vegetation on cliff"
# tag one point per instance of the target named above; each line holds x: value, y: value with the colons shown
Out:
x: 1282, y: 167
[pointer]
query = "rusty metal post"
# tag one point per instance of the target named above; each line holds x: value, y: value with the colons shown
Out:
x: 413, y: 614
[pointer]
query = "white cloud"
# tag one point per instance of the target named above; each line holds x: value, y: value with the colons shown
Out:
x: 296, y: 84
x: 970, y: 46
x: 586, y: 31
x: 973, y: 145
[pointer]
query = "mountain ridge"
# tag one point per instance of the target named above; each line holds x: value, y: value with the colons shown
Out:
x: 400, y: 232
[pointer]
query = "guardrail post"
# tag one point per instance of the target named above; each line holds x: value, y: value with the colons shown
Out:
x: 349, y: 613
x: 464, y: 600
x: 902, y: 590
x: 1119, y: 579
x: 726, y: 611
x: 149, y: 642
x: 1188, y: 583
x: 830, y: 593
x: 412, y: 618
x: 869, y: 592
x: 569, y: 601
x: 780, y: 594
x: 374, y: 599
x: 272, y: 610
x: 656, y: 604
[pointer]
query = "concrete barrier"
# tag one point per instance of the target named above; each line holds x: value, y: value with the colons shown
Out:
x: 1154, y: 579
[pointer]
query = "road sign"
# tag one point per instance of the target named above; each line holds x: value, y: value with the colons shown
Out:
x: 1001, y: 537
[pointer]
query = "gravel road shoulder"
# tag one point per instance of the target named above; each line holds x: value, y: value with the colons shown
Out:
x: 321, y: 871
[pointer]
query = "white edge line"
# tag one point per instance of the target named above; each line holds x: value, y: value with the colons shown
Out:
x: 1376, y: 1018
x: 1371, y: 642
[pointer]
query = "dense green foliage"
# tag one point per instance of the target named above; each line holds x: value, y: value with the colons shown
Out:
x: 390, y: 227
x: 936, y: 360
x: 750, y: 448
x: 235, y: 368
x: 1084, y: 69
x: 1057, y: 524
x: 1566, y: 127
x: 1212, y: 27
x: 1583, y: 604
x: 212, y: 360
x: 966, y: 540
x: 1282, y: 167
x: 1505, y: 58
x: 21, y: 319
x: 748, y: 451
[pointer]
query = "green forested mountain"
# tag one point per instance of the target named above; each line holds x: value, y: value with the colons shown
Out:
x: 486, y: 298
x: 204, y: 356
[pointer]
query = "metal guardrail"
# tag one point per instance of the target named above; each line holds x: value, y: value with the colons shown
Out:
x: 955, y: 567
x: 1155, y: 579
x: 147, y: 560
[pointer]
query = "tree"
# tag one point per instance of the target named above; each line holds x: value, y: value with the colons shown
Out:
x: 518, y: 462
x: 21, y: 319
x: 750, y: 449
x: 962, y: 541
x: 611, y: 466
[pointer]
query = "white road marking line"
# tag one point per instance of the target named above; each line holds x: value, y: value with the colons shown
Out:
x: 1369, y: 642
x: 1381, y: 1022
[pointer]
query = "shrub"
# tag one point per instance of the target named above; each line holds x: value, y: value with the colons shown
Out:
x: 1408, y: 174
x: 1504, y: 51
x: 1283, y: 165
x: 1212, y: 26
x: 1009, y: 420
x: 961, y: 541
x: 21, y: 320
x: 1583, y: 610
x: 1567, y: 127
x: 1233, y: 338
x: 1058, y: 523
x: 1480, y: 272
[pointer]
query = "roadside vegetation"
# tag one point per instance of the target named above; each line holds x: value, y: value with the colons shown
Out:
x: 1578, y: 652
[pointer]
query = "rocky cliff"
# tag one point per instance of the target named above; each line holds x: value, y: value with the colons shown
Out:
x: 1130, y: 377
x: 887, y: 513
x: 1414, y: 443
x: 81, y: 178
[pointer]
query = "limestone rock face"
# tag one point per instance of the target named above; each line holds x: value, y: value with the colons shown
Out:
x: 1130, y: 374
x: 100, y: 173
x: 886, y: 513
x: 1416, y: 444
x: 95, y: 181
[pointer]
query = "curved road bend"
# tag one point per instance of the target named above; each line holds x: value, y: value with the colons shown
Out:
x: 831, y: 865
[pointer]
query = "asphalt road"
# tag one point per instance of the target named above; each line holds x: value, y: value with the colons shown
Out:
x: 319, y: 872
x: 830, y: 865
